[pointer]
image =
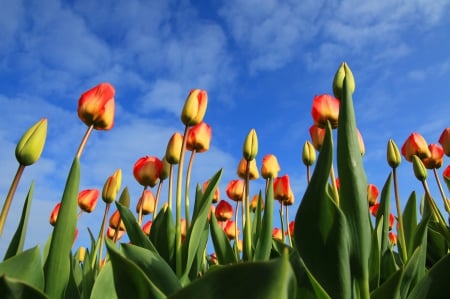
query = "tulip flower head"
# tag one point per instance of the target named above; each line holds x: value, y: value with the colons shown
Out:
x: 223, y: 211
x: 254, y: 203
x: 87, y: 199
x: 393, y: 154
x: 317, y: 136
x: 96, y: 107
x: 325, y: 108
x: 146, y: 171
x: 111, y: 232
x: 146, y: 202
x: 415, y: 145
x: 309, y: 153
x: 31, y: 144
x: 112, y: 186
x: 54, y: 214
x: 230, y: 229
x: 115, y: 221
x: 270, y: 167
x: 392, y: 238
x: 250, y: 149
x: 146, y: 227
x: 216, y: 195
x: 444, y: 140
x: 291, y: 228
x: 446, y: 174
x: 338, y: 81
x: 165, y: 171
x: 195, y: 107
x: 173, y: 149
x: 372, y: 194
x: 282, y: 189
x: 277, y: 233
x: 235, y: 190
x: 436, y: 158
x: 199, y: 137
x: 253, y: 169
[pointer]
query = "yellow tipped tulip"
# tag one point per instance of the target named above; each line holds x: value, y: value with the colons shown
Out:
x: 112, y: 186
x: 173, y: 149
x: 253, y: 170
x: 96, y: 107
x: 308, y: 154
x: 250, y: 149
x: 270, y: 167
x: 31, y: 145
x: 393, y: 154
x: 195, y: 107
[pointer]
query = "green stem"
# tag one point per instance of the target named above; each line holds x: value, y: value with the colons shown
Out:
x: 246, y: 218
x: 10, y: 196
x: 187, y: 190
x: 84, y: 141
x: 140, y: 207
x: 437, y: 216
x: 101, y: 238
x: 308, y: 174
x: 401, y: 231
x: 169, y: 196
x: 441, y: 190
x: 158, y: 193
x: 236, y: 235
x: 282, y: 222
x: 287, y: 223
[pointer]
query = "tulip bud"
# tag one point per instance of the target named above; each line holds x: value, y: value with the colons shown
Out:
x: 230, y: 229
x: 338, y: 81
x: 392, y: 238
x: 308, y: 154
x: 250, y: 149
x: 111, y: 232
x: 173, y: 150
x: 223, y: 211
x: 115, y: 221
x: 291, y: 227
x: 112, y: 186
x: 124, y: 198
x: 96, y: 107
x: 393, y: 154
x: 254, y: 203
x: 282, y: 190
x: 437, y: 157
x: 325, y: 108
x: 317, y: 136
x: 419, y: 169
x: 195, y: 107
x: 253, y: 170
x: 270, y: 167
x: 54, y: 214
x: 146, y: 227
x: 146, y: 203
x: 444, y: 140
x: 87, y: 199
x: 235, y: 190
x: 199, y: 138
x: 146, y: 170
x: 415, y: 145
x: 277, y: 234
x: 165, y: 170
x: 372, y: 194
x: 81, y: 254
x: 31, y: 145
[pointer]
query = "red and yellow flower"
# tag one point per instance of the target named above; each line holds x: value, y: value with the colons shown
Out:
x: 96, y: 107
x: 146, y: 170
x: 325, y: 108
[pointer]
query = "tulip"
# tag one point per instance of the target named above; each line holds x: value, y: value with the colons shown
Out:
x: 223, y: 211
x: 415, y: 145
x: 325, y: 108
x: 446, y: 174
x: 235, y: 190
x: 270, y: 167
x: 213, y: 259
x: 254, y: 203
x: 112, y: 186
x: 393, y: 154
x: 338, y: 81
x: 392, y: 238
x: 115, y: 221
x: 165, y: 170
x: 253, y: 170
x: 111, y: 232
x: 230, y: 229
x: 194, y: 107
x: 216, y: 195
x: 146, y: 203
x: 31, y: 144
x: 199, y: 138
x: 437, y: 157
x: 419, y: 168
x: 291, y: 228
x: 87, y: 199
x: 372, y: 194
x: 81, y: 254
x: 96, y: 107
x: 277, y: 233
x: 317, y: 136
x: 444, y: 140
x: 250, y: 149
x: 282, y: 189
x: 146, y: 170
x: 308, y: 154
x: 173, y: 149
x: 146, y: 227
x: 54, y: 214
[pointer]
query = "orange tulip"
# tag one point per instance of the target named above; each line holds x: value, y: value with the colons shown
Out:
x: 147, y: 202
x: 325, y: 108
x: 115, y: 221
x: 87, y: 199
x: 146, y: 227
x: 392, y: 238
x: 415, y: 145
x: 437, y: 157
x: 224, y: 211
x: 146, y: 170
x: 282, y: 189
x: 96, y: 107
x: 277, y: 233
x: 372, y: 194
x: 235, y: 190
x: 253, y: 170
x: 173, y: 149
x: 230, y: 229
x: 291, y: 228
x: 216, y: 195
x: 444, y: 140
x: 317, y: 136
x: 199, y: 138
x: 54, y: 214
x: 195, y: 107
x: 254, y: 203
x: 270, y: 166
x: 446, y: 175
x: 112, y: 231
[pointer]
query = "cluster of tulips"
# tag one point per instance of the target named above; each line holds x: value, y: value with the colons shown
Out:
x: 344, y: 241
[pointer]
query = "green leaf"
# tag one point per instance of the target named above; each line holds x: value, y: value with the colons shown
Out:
x: 104, y: 284
x: 222, y: 246
x: 11, y: 288
x: 88, y: 277
x: 374, y: 260
x: 271, y: 279
x: 410, y: 222
x: 384, y: 212
x: 57, y: 265
x: 257, y: 219
x: 162, y: 235
x: 26, y: 267
x: 16, y: 244
x: 129, y: 280
x: 414, y: 270
x: 353, y: 191
x: 390, y: 288
x: 264, y: 243
x: 320, y: 232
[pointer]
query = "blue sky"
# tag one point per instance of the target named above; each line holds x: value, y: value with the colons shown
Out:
x: 261, y: 63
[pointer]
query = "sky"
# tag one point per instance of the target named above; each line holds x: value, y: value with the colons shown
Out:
x: 261, y: 62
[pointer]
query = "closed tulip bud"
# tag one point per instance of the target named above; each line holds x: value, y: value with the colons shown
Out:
x: 96, y: 107
x: 270, y: 167
x: 325, y: 108
x: 112, y: 186
x: 308, y: 154
x: 195, y: 107
x: 230, y: 229
x: 372, y: 194
x: 146, y: 227
x: 87, y: 199
x: 393, y: 154
x: 216, y: 195
x: 419, y: 169
x: 31, y: 145
x: 165, y: 170
x: 253, y: 169
x: 183, y: 229
x: 415, y: 145
x: 437, y: 157
x: 223, y: 211
x: 282, y: 189
x: 277, y: 234
x: 199, y: 138
x: 111, y: 232
x: 338, y: 81
x: 173, y: 149
x: 54, y: 214
x: 444, y: 140
x: 81, y: 254
x: 250, y: 149
x: 392, y: 238
x: 391, y: 220
x: 317, y: 136
x: 254, y: 203
x: 146, y: 170
x: 146, y: 203
x: 235, y: 190
x: 115, y: 221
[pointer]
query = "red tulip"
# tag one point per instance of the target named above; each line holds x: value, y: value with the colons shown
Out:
x: 437, y: 157
x: 87, y: 199
x: 444, y: 140
x: 199, y: 138
x: 325, y: 108
x: 282, y: 189
x: 54, y: 214
x: 392, y: 238
x: 372, y: 194
x: 146, y: 227
x: 415, y: 145
x: 223, y: 211
x: 230, y: 229
x: 96, y: 107
x: 146, y: 170
x: 277, y: 233
x: 317, y: 136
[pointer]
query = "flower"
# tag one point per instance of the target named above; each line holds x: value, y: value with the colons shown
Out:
x: 115, y: 221
x: 282, y: 190
x: 291, y: 228
x: 165, y: 170
x: 444, y: 140
x: 230, y: 229
x: 277, y: 233
x: 415, y: 145
x: 31, y: 144
x: 392, y: 238
x: 254, y: 203
x: 309, y: 153
x: 146, y: 202
x: 419, y: 168
x: 96, y: 107
x: 372, y: 194
x: 54, y: 214
x: 146, y: 170
x: 216, y: 195
x: 250, y: 149
x: 325, y: 108
x: 437, y: 157
x: 111, y: 232
x: 338, y: 81
x: 194, y: 107
x: 270, y: 166
x: 393, y: 154
x: 446, y: 174
x: 87, y: 199
x: 223, y: 211
x: 112, y: 186
x: 146, y: 227
x: 199, y: 137
x: 235, y: 190
x: 374, y: 211
x: 253, y: 169
x: 317, y: 136
x: 173, y: 149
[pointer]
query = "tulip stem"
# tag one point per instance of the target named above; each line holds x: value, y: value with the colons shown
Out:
x: 287, y: 223
x: 335, y: 188
x: 246, y: 223
x: 158, y: 193
x: 84, y: 141
x: 446, y: 203
x: 187, y: 190
x: 282, y: 222
x: 236, y: 236
x: 140, y: 206
x: 400, y: 228
x: 101, y: 236
x: 308, y: 174
x: 437, y: 216
x: 9, y: 197
x: 169, y: 196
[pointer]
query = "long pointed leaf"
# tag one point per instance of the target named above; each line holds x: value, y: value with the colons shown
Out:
x: 11, y: 288
x: 264, y: 243
x: 222, y: 247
